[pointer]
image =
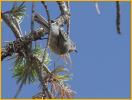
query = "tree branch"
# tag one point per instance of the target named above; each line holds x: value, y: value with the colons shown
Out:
x: 118, y: 17
x: 17, y: 45
x: 12, y: 26
x: 65, y: 12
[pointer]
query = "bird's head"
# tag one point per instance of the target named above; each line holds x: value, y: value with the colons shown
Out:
x: 72, y: 47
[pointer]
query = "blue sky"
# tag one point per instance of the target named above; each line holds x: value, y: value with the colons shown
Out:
x: 101, y: 68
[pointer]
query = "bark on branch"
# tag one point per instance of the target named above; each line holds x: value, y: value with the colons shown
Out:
x: 12, y: 26
x: 17, y: 45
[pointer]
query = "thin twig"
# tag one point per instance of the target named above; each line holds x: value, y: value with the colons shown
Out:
x: 18, y: 90
x: 49, y: 23
x: 63, y: 8
x: 97, y: 8
x: 15, y: 28
x: 32, y: 23
x: 12, y: 26
x: 118, y: 17
x: 32, y: 18
x: 68, y: 24
x: 15, y: 20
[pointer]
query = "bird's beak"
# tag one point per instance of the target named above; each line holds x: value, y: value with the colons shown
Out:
x: 76, y: 51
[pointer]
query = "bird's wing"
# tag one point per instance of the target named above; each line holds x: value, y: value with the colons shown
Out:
x: 63, y: 35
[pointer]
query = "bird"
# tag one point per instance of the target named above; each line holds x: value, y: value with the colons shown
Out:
x: 59, y: 41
